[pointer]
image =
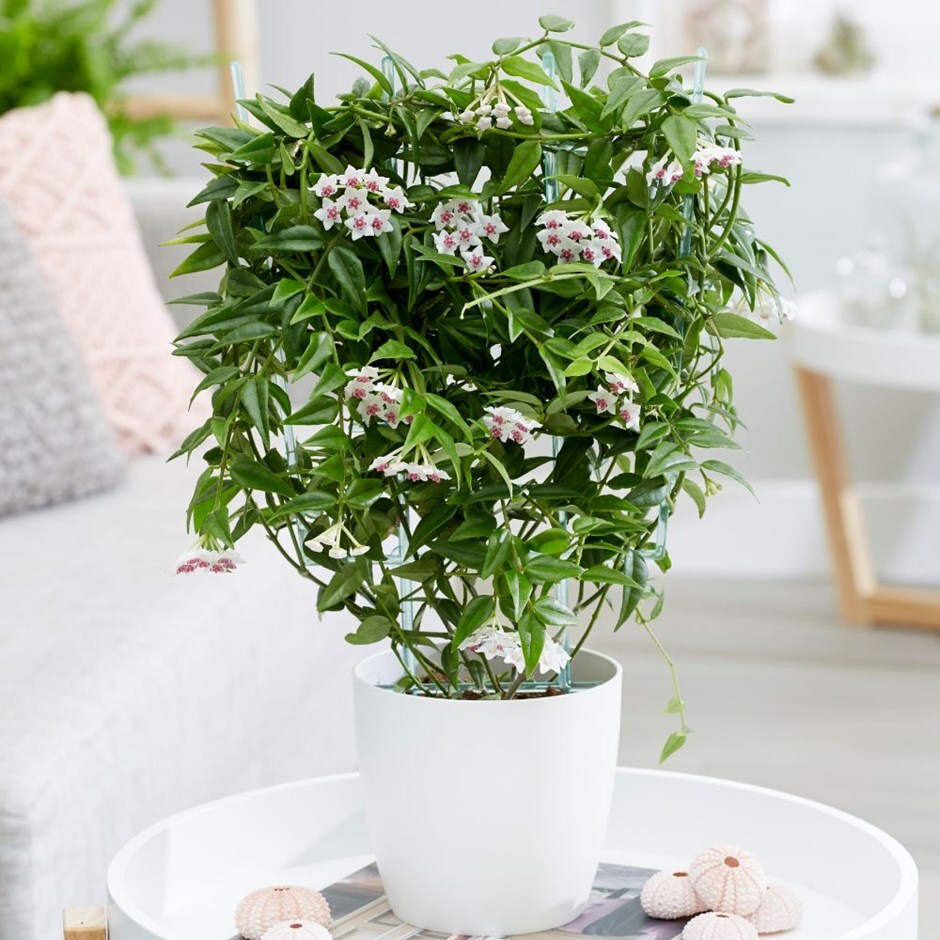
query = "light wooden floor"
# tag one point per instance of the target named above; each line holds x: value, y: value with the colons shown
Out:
x: 782, y: 695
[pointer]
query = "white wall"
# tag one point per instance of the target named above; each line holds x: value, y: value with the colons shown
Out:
x: 831, y: 144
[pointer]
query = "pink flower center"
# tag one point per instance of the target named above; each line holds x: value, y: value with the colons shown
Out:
x: 332, y: 213
x: 372, y: 186
x: 589, y: 254
x: 447, y: 217
x: 463, y: 207
x: 553, y: 240
x: 465, y: 235
x: 567, y: 254
x: 553, y: 224
x: 377, y: 223
x: 490, y: 228
x: 360, y: 222
x: 393, y: 202
x: 354, y: 202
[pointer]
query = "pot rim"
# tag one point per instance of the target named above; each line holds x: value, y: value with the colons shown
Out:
x: 364, y: 665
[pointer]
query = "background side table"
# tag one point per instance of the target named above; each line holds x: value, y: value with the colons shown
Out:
x: 824, y: 348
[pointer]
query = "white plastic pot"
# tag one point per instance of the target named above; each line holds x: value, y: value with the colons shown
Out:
x: 487, y: 817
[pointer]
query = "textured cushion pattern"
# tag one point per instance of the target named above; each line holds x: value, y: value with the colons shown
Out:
x: 55, y: 444
x: 127, y: 693
x: 58, y: 176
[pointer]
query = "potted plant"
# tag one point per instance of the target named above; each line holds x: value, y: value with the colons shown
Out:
x: 509, y: 319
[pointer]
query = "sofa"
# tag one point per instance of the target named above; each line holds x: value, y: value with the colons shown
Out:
x: 127, y: 693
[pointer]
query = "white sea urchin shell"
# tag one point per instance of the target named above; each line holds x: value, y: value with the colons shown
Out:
x: 668, y: 895
x: 263, y: 909
x: 729, y: 880
x: 714, y: 926
x: 780, y: 910
x: 297, y: 930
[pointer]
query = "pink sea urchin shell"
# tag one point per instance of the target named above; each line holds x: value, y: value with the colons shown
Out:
x: 668, y: 895
x: 780, y: 910
x: 297, y: 930
x: 714, y: 926
x: 728, y: 879
x: 262, y: 909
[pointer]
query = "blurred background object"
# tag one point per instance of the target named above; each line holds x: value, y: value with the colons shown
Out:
x: 736, y: 34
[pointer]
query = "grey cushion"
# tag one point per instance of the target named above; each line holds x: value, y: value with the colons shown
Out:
x: 55, y: 444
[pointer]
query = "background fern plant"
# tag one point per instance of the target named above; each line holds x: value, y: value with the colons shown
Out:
x: 87, y: 46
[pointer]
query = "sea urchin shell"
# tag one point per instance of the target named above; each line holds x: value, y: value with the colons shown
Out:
x: 297, y: 930
x: 668, y: 895
x: 728, y: 880
x: 714, y: 926
x: 266, y: 907
x: 780, y: 910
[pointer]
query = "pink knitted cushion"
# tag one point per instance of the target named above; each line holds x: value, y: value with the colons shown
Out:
x: 59, y: 180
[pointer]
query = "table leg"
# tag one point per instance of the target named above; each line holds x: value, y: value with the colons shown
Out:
x: 861, y: 598
x: 85, y: 923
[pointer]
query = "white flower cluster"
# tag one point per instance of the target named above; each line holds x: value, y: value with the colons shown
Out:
x: 667, y: 170
x: 346, y: 201
x: 391, y: 466
x: 376, y: 399
x: 461, y: 226
x: 572, y: 238
x: 507, y: 424
x: 615, y: 397
x: 490, y: 642
x: 485, y: 115
x: 211, y: 562
x: 330, y: 540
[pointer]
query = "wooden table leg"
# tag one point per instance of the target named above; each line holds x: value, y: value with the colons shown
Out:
x: 854, y: 572
x: 85, y: 923
x: 861, y: 598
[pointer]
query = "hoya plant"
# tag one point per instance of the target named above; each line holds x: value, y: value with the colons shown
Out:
x: 466, y: 350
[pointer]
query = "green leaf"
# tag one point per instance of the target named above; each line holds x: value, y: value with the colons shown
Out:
x: 550, y: 541
x: 519, y: 589
x: 615, y: 32
x: 549, y: 568
x: 752, y: 93
x: 639, y: 105
x: 254, y: 397
x: 371, y: 630
x: 506, y: 44
x: 311, y: 501
x: 475, y: 614
x: 601, y: 574
x: 468, y: 159
x: 662, y: 66
x: 204, y: 258
x: 674, y: 706
x: 634, y: 567
x: 734, y: 325
x: 294, y: 238
x: 682, y: 136
x: 532, y: 638
x: 498, y: 546
x: 525, y: 159
x: 553, y: 613
x: 392, y: 349
x: 344, y: 583
x: 588, y: 62
x: 633, y: 44
x: 347, y: 269
x: 377, y: 74
x: 251, y: 475
x: 696, y: 493
x: 719, y: 466
x: 523, y: 68
x: 219, y: 224
x: 319, y: 349
x: 284, y: 121
x: 555, y: 24
x: 673, y: 743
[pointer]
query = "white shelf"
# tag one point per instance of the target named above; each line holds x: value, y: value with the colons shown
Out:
x: 821, y: 341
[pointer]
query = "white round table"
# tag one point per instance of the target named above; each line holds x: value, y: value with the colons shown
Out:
x: 182, y: 878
